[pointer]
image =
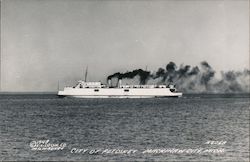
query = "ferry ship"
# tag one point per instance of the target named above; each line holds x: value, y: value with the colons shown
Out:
x: 85, y: 89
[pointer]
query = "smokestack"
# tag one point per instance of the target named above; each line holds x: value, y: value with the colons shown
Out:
x: 109, y: 83
x: 119, y: 83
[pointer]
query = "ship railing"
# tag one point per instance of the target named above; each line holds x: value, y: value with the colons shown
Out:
x: 143, y: 86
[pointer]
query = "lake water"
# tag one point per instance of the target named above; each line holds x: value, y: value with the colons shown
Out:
x: 215, y: 125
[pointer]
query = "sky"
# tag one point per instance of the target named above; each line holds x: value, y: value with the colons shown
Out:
x: 44, y: 42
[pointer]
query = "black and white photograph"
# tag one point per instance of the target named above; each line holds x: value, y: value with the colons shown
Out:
x: 124, y: 80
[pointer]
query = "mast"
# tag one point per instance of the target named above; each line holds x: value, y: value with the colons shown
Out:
x: 86, y: 74
x: 58, y: 85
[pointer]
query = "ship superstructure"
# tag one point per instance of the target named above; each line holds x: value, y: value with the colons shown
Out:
x: 85, y: 89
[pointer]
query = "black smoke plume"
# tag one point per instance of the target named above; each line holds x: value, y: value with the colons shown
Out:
x: 208, y: 73
x: 197, y: 79
x: 143, y: 75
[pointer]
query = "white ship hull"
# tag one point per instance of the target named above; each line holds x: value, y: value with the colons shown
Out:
x: 118, y: 92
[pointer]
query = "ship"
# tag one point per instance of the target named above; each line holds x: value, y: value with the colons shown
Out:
x: 84, y: 89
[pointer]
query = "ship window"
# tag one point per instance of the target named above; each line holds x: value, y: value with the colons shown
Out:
x: 96, y: 90
x: 126, y: 90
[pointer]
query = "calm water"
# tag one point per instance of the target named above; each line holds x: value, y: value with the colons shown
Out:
x: 140, y: 124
